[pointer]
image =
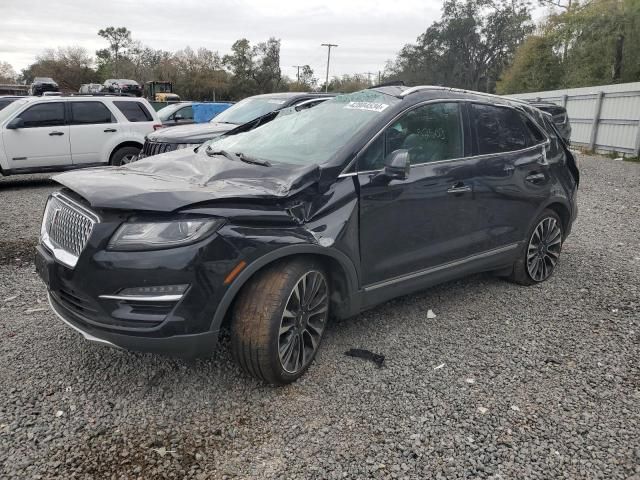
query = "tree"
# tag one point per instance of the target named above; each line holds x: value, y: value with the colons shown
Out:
x: 266, y: 68
x: 536, y: 67
x: 119, y: 39
x: 348, y: 83
x: 240, y: 64
x: 468, y: 48
x: 7, y: 73
x: 69, y: 66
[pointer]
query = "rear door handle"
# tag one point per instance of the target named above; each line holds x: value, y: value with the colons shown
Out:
x: 56, y: 134
x: 535, y: 177
x: 110, y: 130
x: 459, y: 188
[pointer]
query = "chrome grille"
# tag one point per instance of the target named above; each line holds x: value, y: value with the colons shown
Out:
x: 66, y: 228
x: 154, y: 148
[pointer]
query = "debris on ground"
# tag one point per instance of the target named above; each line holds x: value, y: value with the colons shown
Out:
x: 430, y: 314
x: 367, y: 355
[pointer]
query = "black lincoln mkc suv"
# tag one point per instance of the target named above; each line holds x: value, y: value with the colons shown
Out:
x: 321, y: 213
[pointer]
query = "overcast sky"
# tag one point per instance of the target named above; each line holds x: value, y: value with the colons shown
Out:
x: 368, y: 32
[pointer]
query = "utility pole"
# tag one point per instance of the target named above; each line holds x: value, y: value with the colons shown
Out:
x: 329, y: 45
x: 368, y: 74
x: 298, y: 67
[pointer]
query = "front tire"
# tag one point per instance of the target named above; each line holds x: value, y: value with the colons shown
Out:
x: 541, y: 251
x: 124, y: 155
x: 279, y: 319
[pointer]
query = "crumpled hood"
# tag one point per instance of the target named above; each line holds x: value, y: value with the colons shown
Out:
x: 175, y: 180
x: 197, y: 133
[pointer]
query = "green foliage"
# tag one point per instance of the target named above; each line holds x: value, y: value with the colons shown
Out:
x: 348, y: 83
x: 119, y: 39
x: 596, y: 43
x: 536, y: 67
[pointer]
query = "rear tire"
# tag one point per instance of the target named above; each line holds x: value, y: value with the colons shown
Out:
x: 124, y: 155
x: 279, y: 319
x: 541, y: 250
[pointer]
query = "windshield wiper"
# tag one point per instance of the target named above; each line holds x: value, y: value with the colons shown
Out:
x: 237, y: 156
x: 223, y: 153
x: 253, y: 160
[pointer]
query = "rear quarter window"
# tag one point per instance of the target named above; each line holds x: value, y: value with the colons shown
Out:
x: 134, y: 111
x: 89, y: 113
x: 498, y: 130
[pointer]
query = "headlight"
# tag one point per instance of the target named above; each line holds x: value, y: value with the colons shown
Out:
x: 180, y: 146
x: 157, y: 235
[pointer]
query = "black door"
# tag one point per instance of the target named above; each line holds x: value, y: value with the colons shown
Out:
x: 427, y: 219
x: 512, y: 178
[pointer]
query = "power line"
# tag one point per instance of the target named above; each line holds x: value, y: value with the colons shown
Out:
x: 329, y: 45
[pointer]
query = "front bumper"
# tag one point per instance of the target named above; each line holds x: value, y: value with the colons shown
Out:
x: 196, y: 345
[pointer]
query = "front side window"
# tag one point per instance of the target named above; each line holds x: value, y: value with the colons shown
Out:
x: 430, y: 133
x: 44, y: 115
x: 499, y: 129
x: 89, y: 113
x: 134, y: 111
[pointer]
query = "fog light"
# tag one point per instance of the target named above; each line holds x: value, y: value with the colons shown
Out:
x: 154, y: 291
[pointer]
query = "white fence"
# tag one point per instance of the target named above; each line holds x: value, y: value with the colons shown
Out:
x: 605, y: 118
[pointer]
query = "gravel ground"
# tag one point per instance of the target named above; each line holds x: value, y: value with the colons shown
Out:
x: 506, y: 381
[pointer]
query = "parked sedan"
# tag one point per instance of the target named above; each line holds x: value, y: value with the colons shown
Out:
x: 247, y: 110
x: 324, y: 212
x: 558, y: 116
x: 123, y: 85
x: 186, y: 113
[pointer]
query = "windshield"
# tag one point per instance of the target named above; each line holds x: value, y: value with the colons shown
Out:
x: 11, y: 108
x: 165, y: 112
x: 249, y: 109
x: 311, y: 136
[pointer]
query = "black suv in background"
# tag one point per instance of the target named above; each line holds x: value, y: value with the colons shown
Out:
x: 324, y: 212
x: 559, y: 117
x: 122, y: 85
x: 247, y: 110
x: 41, y: 85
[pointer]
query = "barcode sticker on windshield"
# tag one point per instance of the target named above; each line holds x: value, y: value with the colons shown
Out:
x: 372, y: 106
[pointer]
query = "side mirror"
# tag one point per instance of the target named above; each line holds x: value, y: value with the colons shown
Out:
x: 177, y: 118
x: 15, y: 124
x: 397, y: 165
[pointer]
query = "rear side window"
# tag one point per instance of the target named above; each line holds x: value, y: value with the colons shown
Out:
x: 499, y: 129
x: 44, y: 115
x: 134, y: 111
x: 89, y: 113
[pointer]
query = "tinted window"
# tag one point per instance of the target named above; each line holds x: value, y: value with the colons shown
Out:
x: 134, y: 111
x: 83, y: 113
x: 43, y: 115
x: 535, y: 135
x: 186, y: 113
x: 5, y: 102
x: 499, y: 129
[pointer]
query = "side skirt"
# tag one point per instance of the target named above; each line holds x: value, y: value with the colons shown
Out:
x: 496, y: 259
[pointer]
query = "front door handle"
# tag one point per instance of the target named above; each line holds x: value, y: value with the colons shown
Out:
x: 535, y: 177
x: 459, y: 188
x: 110, y: 130
x: 56, y: 134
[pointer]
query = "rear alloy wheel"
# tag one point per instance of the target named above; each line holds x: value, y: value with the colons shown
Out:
x: 279, y: 319
x: 544, y: 249
x: 541, y: 252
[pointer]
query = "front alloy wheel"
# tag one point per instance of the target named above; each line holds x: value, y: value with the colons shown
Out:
x: 303, y: 322
x: 279, y: 318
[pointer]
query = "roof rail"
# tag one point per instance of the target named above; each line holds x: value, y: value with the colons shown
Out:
x: 418, y: 88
